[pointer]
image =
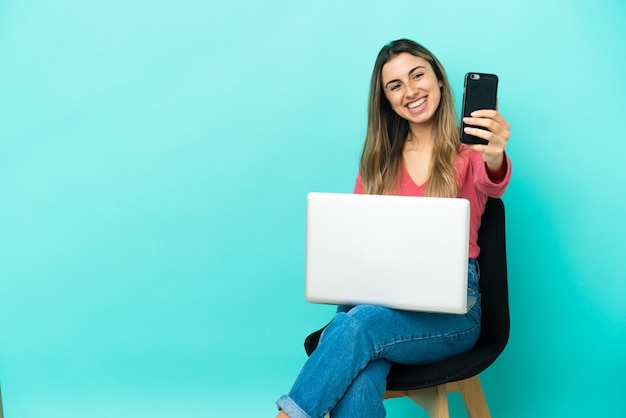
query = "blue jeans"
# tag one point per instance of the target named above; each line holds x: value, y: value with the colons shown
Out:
x: 346, y: 375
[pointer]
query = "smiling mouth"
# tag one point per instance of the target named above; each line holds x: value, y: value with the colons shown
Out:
x: 417, y: 103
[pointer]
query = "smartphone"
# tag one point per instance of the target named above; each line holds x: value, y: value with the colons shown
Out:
x: 479, y: 92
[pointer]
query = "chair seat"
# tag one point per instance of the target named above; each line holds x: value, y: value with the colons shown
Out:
x: 402, y: 377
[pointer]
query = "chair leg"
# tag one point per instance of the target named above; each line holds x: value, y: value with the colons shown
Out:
x: 474, y: 398
x: 434, y: 400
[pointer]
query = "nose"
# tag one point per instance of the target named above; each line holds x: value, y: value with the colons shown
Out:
x: 411, y: 91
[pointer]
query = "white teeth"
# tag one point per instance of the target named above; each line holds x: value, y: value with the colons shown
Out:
x: 417, y: 103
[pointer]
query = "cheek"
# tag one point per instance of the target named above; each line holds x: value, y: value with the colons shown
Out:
x: 394, y: 99
x: 437, y: 97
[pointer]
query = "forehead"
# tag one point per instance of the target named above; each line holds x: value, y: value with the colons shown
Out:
x: 399, y: 66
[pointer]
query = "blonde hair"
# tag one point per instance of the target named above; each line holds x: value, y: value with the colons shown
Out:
x: 381, y: 159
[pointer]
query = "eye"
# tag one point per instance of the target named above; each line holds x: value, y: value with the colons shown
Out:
x: 394, y: 87
x: 417, y: 76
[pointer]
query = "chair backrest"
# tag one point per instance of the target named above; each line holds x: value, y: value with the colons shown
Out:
x: 493, y: 277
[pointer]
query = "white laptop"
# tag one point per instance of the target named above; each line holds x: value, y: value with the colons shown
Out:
x: 401, y: 252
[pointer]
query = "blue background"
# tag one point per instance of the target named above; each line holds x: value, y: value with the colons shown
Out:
x: 154, y: 163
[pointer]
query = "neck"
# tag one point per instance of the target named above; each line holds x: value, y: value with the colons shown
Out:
x: 420, y: 136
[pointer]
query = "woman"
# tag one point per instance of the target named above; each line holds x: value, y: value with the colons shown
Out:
x: 411, y: 148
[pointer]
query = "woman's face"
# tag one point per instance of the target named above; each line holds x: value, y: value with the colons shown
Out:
x: 412, y: 88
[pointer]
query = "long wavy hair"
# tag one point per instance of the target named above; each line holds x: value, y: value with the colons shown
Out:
x: 381, y: 159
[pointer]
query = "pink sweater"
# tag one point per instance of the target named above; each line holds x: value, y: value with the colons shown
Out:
x: 476, y: 186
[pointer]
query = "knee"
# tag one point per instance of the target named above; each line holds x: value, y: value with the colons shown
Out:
x: 365, y: 317
x: 358, y: 322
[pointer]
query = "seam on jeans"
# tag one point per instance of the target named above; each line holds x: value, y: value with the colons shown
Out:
x: 429, y: 337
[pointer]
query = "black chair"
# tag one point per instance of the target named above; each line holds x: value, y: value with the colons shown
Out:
x: 429, y: 384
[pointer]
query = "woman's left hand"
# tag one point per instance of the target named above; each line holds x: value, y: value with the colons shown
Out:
x: 497, y: 134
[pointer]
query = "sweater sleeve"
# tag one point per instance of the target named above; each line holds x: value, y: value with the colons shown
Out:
x: 492, y: 188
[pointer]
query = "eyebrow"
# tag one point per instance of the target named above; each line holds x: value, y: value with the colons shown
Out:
x: 410, y: 72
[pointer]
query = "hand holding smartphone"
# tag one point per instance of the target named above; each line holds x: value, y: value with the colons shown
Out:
x: 480, y: 91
